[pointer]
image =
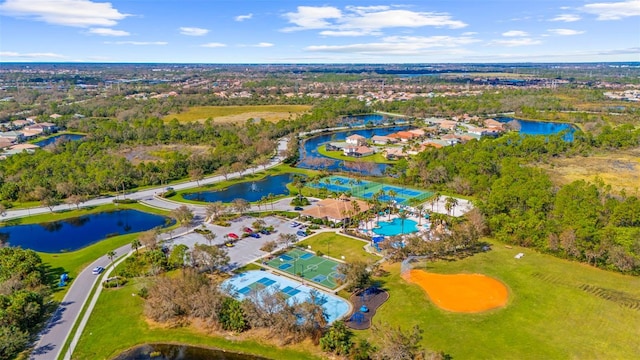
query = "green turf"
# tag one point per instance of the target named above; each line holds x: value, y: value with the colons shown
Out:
x: 556, y: 310
x: 336, y: 245
x: 117, y: 323
x: 308, y: 268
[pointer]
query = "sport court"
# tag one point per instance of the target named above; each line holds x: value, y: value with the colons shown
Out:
x: 365, y: 189
x: 319, y: 270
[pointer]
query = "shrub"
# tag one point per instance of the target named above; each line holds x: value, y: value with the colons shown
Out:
x: 113, y: 282
x: 143, y: 293
x: 168, y: 194
x: 269, y: 246
x: 125, y: 201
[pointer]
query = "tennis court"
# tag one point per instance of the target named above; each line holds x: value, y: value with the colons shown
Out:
x: 365, y: 189
x: 307, y: 265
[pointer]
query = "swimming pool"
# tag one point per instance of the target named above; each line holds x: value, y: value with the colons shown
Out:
x: 394, y: 227
x: 243, y: 283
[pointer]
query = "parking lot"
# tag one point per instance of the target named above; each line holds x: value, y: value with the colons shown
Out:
x: 246, y: 249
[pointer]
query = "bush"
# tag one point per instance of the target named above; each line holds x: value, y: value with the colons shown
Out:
x: 300, y: 201
x: 113, y: 282
x: 168, y: 194
x: 269, y: 246
x: 143, y: 293
x: 125, y: 201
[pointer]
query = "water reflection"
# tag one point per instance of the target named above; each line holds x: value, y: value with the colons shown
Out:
x: 180, y: 352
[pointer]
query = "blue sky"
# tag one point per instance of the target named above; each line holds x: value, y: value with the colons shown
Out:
x: 297, y: 31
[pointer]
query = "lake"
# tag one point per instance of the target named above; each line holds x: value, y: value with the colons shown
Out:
x: 180, y: 352
x: 530, y: 127
x: 310, y: 158
x: 76, y: 233
x: 249, y: 190
x: 61, y: 137
x: 374, y: 119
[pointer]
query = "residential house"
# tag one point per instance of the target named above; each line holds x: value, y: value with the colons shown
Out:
x: 383, y: 140
x: 45, y: 127
x: 31, y: 134
x: 55, y: 116
x: 403, y: 136
x: 5, y: 143
x: 493, y: 124
x: 394, y: 153
x: 450, y: 139
x: 418, y: 132
x: 13, y: 136
x: 357, y: 140
x: 358, y: 151
x: 448, y: 125
x: 335, y: 146
x: 19, y: 124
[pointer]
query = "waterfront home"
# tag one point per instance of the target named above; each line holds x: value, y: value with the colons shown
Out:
x: 335, y: 210
x: 31, y: 134
x: 13, y: 136
x: 357, y: 140
x: 394, y: 153
x: 383, y: 140
x: 403, y: 136
x: 493, y: 124
x: 45, y: 127
x: 357, y: 151
x: 335, y: 146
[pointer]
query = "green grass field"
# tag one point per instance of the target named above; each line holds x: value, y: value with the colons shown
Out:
x: 232, y: 114
x: 336, y: 246
x: 377, y: 158
x: 557, y: 310
x: 117, y: 323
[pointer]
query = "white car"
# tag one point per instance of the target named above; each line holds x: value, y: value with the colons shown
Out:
x: 97, y: 270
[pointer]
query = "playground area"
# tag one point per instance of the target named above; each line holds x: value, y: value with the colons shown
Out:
x: 308, y: 266
x: 365, y: 303
x: 365, y: 189
x: 465, y: 293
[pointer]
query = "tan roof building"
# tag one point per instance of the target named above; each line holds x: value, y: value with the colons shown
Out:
x: 335, y: 210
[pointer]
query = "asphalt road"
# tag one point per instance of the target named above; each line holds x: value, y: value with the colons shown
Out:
x: 58, y: 329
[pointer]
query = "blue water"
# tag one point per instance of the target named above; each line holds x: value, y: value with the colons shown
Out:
x: 76, y: 233
x: 250, y: 190
x: 528, y: 127
x: 53, y: 139
x: 394, y: 227
x: 334, y: 306
x: 374, y: 119
x: 311, y: 159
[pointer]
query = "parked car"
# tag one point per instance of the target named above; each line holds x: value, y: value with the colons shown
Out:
x: 294, y: 224
x: 229, y: 244
x: 265, y: 232
x: 248, y: 230
x: 298, y: 208
x: 255, y: 235
x: 301, y: 233
x: 233, y: 236
x: 97, y: 270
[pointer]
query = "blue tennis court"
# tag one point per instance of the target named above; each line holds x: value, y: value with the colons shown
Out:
x: 286, y: 257
x: 365, y: 189
x: 306, y: 256
x: 284, y: 266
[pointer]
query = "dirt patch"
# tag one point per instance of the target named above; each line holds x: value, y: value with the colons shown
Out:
x: 467, y: 293
x: 140, y: 154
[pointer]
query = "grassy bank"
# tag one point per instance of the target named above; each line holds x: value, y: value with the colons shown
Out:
x: 557, y: 310
x: 377, y: 158
x: 107, y: 335
x: 336, y: 246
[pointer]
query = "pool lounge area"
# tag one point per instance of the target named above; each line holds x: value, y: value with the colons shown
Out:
x: 244, y: 283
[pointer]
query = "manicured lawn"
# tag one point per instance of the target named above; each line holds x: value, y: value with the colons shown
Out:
x: 336, y: 246
x: 117, y: 323
x: 339, y: 155
x: 240, y: 113
x: 554, y: 310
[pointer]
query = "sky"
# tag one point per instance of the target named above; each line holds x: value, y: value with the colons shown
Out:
x: 328, y: 31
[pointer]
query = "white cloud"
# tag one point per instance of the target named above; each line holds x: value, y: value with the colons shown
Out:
x: 516, y: 42
x: 138, y: 43
x: 401, y: 45
x: 566, y: 18
x: 193, y: 31
x: 515, y: 33
x: 243, y: 17
x: 13, y: 54
x: 615, y: 10
x: 469, y: 33
x: 108, y: 32
x: 565, y: 32
x: 213, y: 45
x: 80, y: 13
x: 263, y: 45
x: 370, y: 20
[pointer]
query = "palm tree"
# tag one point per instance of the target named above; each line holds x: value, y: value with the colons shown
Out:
x: 420, y: 210
x: 450, y: 204
x: 135, y: 244
x: 270, y: 196
x: 391, y: 201
x: 403, y: 216
x: 111, y: 255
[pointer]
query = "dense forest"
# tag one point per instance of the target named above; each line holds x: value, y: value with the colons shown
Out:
x: 581, y: 220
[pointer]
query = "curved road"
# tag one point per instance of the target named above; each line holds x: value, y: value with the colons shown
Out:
x: 58, y: 329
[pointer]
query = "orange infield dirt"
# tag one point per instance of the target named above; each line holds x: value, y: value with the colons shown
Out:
x: 467, y: 293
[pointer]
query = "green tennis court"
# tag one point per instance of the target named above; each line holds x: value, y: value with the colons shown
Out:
x: 308, y: 266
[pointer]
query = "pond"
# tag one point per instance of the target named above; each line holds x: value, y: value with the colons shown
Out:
x: 530, y: 127
x: 180, y: 352
x: 248, y: 190
x: 76, y: 233
x: 61, y: 137
x: 311, y: 159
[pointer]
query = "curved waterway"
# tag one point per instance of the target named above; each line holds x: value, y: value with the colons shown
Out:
x: 249, y: 190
